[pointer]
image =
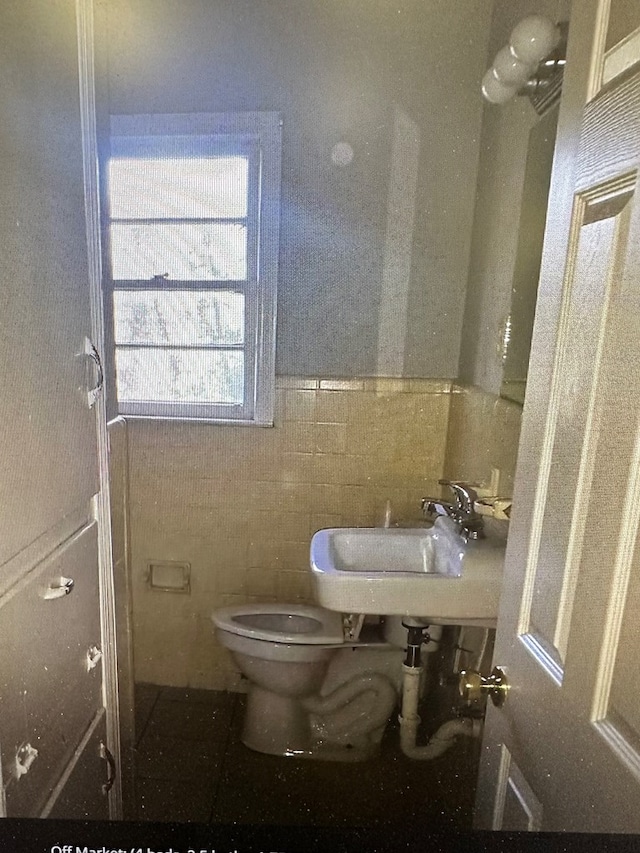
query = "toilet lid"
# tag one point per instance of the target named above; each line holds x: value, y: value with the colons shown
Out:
x: 282, y: 623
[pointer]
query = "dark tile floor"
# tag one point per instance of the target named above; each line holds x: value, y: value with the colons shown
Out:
x: 192, y: 767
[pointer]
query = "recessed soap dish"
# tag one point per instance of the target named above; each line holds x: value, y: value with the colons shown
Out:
x: 169, y: 577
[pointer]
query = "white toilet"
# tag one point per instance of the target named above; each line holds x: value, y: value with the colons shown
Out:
x: 313, y: 692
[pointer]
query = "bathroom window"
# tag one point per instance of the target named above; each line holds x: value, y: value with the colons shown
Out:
x: 193, y: 205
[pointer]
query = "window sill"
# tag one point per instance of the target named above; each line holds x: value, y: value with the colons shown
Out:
x: 189, y: 420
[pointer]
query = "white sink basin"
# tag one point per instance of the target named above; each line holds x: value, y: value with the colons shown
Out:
x: 430, y: 573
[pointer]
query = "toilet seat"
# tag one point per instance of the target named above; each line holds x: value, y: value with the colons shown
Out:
x: 301, y: 624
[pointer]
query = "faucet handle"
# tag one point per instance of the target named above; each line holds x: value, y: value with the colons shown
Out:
x: 464, y: 493
x: 432, y: 507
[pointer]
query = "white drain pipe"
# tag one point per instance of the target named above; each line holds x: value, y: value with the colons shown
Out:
x: 446, y: 735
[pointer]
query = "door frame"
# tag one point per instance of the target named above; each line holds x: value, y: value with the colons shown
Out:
x: 102, y: 501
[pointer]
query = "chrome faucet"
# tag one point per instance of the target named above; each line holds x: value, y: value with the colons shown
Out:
x: 462, y: 510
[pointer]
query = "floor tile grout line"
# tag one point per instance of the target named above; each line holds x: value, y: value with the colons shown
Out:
x: 223, y: 759
x: 188, y: 701
x: 148, y: 718
x: 214, y: 797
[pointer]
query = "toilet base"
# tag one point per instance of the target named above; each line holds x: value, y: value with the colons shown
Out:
x: 274, y: 724
x: 279, y: 725
x: 350, y: 752
x: 319, y: 752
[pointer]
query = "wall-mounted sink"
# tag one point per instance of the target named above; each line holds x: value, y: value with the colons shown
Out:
x: 431, y: 573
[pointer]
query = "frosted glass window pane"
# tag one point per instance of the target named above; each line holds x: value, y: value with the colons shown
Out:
x: 178, y: 188
x: 178, y: 317
x: 180, y: 376
x: 187, y: 252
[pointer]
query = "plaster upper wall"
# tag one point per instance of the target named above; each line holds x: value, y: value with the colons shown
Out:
x: 338, y: 70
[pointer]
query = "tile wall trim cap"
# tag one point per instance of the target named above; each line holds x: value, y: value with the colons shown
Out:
x: 380, y: 384
x: 430, y: 386
x: 297, y: 383
x: 387, y: 384
x: 342, y: 384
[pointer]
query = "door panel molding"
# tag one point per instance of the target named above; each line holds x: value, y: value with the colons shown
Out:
x: 608, y: 151
x: 80, y: 755
x: 621, y: 57
x: 629, y: 526
x: 517, y: 808
x: 13, y: 572
x: 622, y: 743
x: 597, y: 249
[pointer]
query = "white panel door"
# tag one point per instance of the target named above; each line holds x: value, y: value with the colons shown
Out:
x: 48, y: 463
x: 563, y: 752
x: 50, y: 437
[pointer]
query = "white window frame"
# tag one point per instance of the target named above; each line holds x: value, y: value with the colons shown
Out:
x: 263, y: 132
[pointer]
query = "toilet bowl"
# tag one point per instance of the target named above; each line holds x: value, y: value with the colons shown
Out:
x: 311, y: 693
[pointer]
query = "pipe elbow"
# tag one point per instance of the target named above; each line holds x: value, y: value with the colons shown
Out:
x: 452, y: 729
x: 440, y: 741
